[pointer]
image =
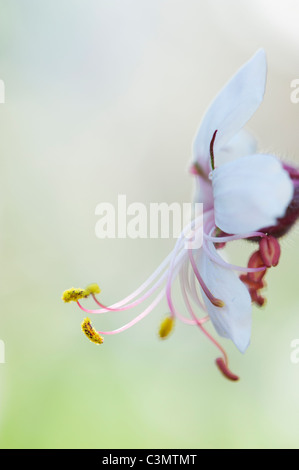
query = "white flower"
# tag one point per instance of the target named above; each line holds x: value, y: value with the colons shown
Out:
x: 249, y: 191
x: 243, y: 193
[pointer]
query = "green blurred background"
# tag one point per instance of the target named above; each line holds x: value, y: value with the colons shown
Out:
x: 104, y: 98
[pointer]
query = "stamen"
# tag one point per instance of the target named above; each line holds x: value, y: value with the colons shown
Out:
x: 182, y: 276
x: 222, y: 366
x: 178, y: 315
x: 166, y: 327
x: 191, y: 286
x: 138, y: 318
x: 93, y: 289
x: 140, y: 289
x: 90, y: 332
x: 196, y: 321
x: 105, y: 309
x: 214, y: 256
x: 178, y: 245
x: 222, y: 363
x: 151, y: 307
x: 230, y: 238
x: 108, y: 309
x: 73, y: 294
x: 217, y: 302
x: 270, y: 251
x: 133, y: 295
x: 117, y: 308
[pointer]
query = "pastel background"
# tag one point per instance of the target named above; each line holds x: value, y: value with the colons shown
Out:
x: 104, y: 98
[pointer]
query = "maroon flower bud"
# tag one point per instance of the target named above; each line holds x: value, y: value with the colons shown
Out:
x: 256, y: 261
x: 257, y: 298
x: 269, y: 251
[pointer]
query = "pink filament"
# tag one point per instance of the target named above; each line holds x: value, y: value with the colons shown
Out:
x: 183, y: 281
x: 214, y: 256
x: 143, y: 314
x: 140, y: 289
x: 199, y: 323
x: 178, y: 244
x: 176, y: 263
x: 140, y: 317
x: 192, y: 288
x: 105, y: 309
x: 230, y: 238
x: 210, y: 296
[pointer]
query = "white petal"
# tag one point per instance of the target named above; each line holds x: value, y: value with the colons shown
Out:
x: 241, y: 145
x: 250, y: 193
x: 232, y: 108
x: 204, y: 193
x: 234, y: 319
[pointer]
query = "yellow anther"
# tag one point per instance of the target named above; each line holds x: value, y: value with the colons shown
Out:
x: 73, y: 294
x: 166, y: 327
x: 93, y: 289
x: 90, y: 332
x: 218, y: 303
